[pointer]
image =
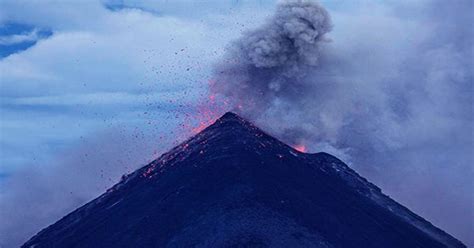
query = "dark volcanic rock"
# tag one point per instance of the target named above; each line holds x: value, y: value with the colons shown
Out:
x: 232, y: 185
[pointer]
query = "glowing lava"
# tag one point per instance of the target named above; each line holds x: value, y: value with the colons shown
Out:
x: 202, y: 125
x: 300, y: 148
x: 208, y: 110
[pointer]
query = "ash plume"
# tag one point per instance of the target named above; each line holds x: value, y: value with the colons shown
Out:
x: 270, y: 61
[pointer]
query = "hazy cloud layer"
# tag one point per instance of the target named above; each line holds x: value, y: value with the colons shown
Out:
x: 391, y: 94
x: 108, y: 91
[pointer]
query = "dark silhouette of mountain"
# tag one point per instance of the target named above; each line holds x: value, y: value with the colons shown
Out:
x: 232, y: 185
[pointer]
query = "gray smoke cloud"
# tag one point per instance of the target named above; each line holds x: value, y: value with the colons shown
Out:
x: 391, y: 94
x: 270, y: 61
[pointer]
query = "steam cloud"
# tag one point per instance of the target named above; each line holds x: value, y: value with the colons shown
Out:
x: 394, y: 100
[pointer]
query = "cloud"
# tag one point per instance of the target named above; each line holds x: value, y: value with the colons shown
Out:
x: 15, y: 37
x: 44, y: 193
x: 108, y: 91
x: 95, y: 99
x: 391, y: 91
x: 19, y: 38
x: 57, y: 16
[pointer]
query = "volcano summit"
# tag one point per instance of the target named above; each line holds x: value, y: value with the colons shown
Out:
x: 232, y: 185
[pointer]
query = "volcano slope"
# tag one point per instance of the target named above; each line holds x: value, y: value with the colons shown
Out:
x: 232, y: 185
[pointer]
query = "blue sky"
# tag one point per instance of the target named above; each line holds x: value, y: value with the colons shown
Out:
x: 93, y: 89
x: 17, y: 37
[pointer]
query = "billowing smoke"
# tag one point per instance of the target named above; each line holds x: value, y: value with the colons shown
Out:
x: 388, y: 91
x: 270, y: 61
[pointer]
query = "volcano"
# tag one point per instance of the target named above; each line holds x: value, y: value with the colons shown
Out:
x: 233, y: 185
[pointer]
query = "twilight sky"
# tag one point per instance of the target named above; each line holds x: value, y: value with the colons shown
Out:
x: 91, y: 90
